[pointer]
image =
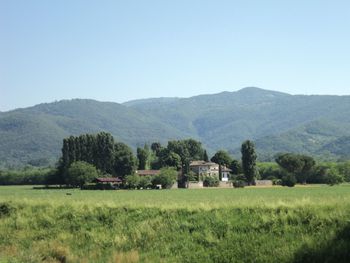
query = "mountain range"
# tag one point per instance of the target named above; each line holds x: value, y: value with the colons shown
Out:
x: 318, y: 125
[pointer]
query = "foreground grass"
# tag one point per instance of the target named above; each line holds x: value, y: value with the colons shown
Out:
x: 212, y: 225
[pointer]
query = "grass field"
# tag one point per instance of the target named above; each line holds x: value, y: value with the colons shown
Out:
x: 301, y: 224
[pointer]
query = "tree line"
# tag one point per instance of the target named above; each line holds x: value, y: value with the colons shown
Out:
x: 100, y: 150
x: 112, y: 158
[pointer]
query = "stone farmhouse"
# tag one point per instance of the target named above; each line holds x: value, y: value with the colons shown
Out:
x: 203, y: 169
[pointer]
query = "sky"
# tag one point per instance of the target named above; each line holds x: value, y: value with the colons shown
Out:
x: 123, y: 50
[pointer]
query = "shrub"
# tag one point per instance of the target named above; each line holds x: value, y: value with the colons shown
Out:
x: 211, y: 181
x: 276, y: 181
x: 6, y: 209
x: 288, y: 180
x: 192, y: 176
x: 239, y: 183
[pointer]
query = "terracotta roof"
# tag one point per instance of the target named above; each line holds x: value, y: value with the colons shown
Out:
x: 147, y: 172
x: 108, y: 180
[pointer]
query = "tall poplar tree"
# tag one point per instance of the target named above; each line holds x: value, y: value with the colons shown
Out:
x: 249, y: 161
x: 142, y: 156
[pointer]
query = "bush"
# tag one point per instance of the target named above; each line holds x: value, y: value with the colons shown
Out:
x: 288, y: 180
x: 276, y: 181
x: 6, y: 209
x: 192, y: 176
x: 211, y: 181
x: 239, y: 183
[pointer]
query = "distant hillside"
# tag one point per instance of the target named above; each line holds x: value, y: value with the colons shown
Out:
x: 278, y: 122
x: 37, y: 132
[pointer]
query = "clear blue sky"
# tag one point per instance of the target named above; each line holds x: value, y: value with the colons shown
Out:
x: 123, y: 50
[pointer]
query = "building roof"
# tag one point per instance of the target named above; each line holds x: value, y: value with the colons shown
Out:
x: 147, y: 172
x: 225, y: 169
x: 202, y: 163
x: 108, y: 180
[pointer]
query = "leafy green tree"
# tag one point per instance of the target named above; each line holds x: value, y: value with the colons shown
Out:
x: 71, y: 151
x: 167, y: 158
x: 299, y: 165
x: 236, y: 167
x: 344, y: 170
x: 155, y: 147
x: 105, y: 152
x: 90, y: 145
x: 145, y: 182
x: 222, y: 158
x: 333, y: 177
x: 77, y: 149
x: 188, y: 150
x: 142, y: 156
x: 166, y: 178
x: 308, y: 164
x: 65, y: 160
x: 132, y: 181
x: 289, y: 162
x: 249, y: 161
x: 124, y: 160
x: 270, y: 171
x: 80, y: 173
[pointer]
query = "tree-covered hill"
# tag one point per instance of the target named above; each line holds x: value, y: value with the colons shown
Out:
x: 278, y: 122
x: 36, y: 133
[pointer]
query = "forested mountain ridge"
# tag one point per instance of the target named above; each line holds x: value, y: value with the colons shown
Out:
x: 276, y: 121
x: 34, y: 133
x: 317, y: 125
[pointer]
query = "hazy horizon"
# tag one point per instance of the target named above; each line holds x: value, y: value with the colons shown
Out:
x: 164, y: 97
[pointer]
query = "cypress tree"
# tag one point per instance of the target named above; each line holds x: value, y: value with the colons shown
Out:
x: 205, y: 156
x: 249, y: 161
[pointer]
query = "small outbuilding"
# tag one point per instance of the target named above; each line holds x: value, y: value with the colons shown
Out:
x: 147, y: 172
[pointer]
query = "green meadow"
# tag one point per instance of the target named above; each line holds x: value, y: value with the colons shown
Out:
x: 277, y: 224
